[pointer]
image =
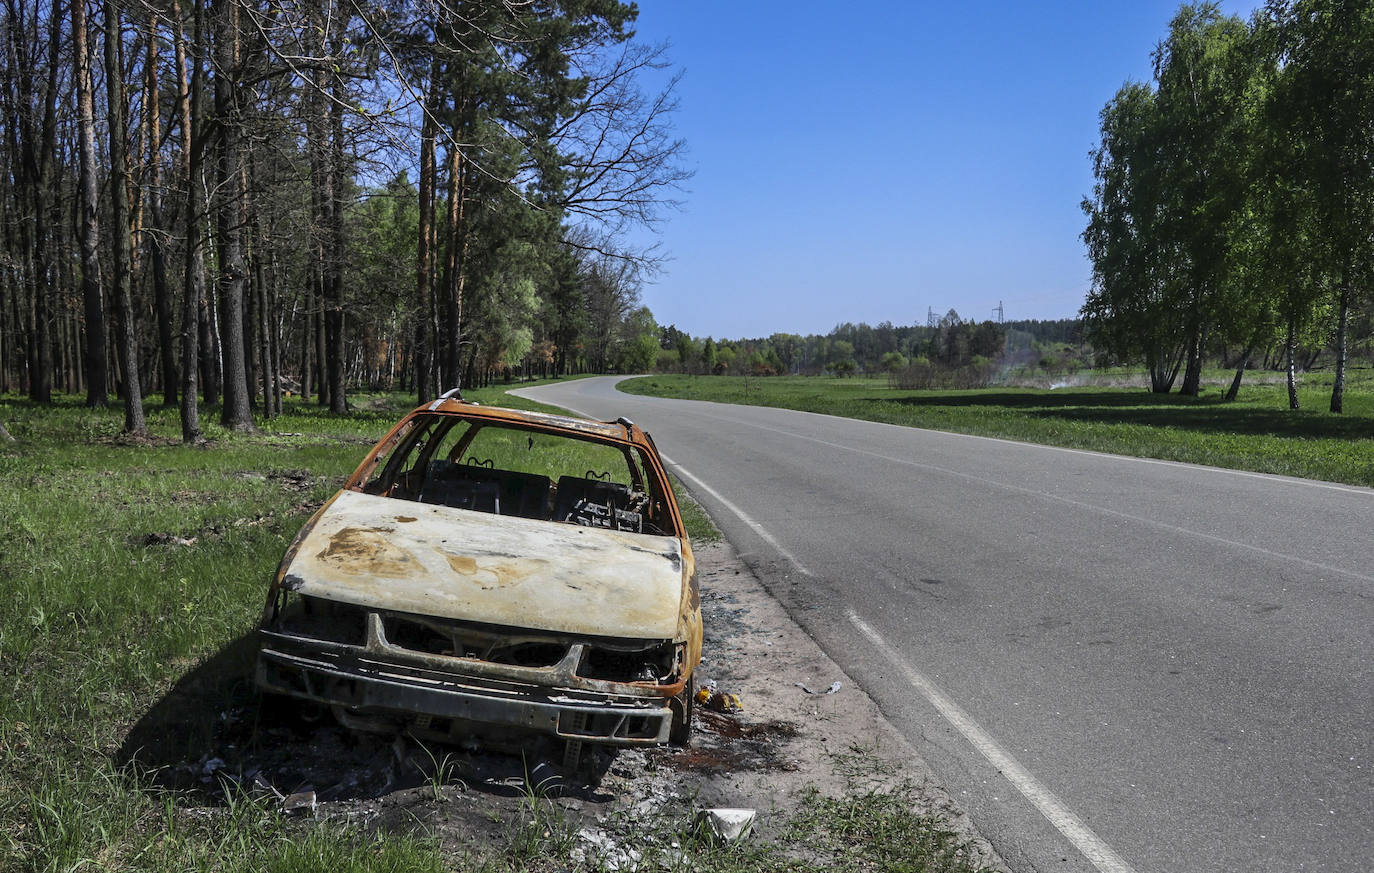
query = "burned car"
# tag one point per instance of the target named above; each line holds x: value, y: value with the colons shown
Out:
x: 491, y: 573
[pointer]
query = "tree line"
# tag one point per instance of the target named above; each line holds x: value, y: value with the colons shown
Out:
x: 222, y: 201
x: 947, y: 351
x: 1234, y: 198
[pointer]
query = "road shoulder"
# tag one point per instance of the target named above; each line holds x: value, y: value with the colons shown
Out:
x: 788, y: 742
x: 784, y: 755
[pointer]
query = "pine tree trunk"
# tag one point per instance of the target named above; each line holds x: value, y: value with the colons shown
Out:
x: 73, y: 356
x: 97, y: 374
x: 210, y: 360
x: 321, y: 373
x: 334, y: 313
x: 5, y: 293
x: 274, y: 352
x: 264, y: 362
x: 235, y: 412
x: 307, y: 344
x: 33, y: 135
x: 424, y: 260
x: 36, y: 314
x: 121, y: 243
x: 192, y: 152
x: 450, y: 343
x: 317, y: 133
x: 250, y: 317
x: 162, y: 291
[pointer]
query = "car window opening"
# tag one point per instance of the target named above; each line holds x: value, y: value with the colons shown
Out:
x: 447, y: 460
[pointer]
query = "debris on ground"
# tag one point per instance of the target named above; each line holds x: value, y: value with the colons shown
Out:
x: 834, y: 686
x: 727, y: 824
x: 210, y: 768
x: 302, y: 802
x: 721, y: 701
x: 595, y: 846
x: 261, y: 787
x: 166, y: 539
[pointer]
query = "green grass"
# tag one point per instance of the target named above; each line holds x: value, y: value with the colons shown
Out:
x: 133, y: 574
x: 104, y: 613
x: 1257, y: 432
x: 700, y: 528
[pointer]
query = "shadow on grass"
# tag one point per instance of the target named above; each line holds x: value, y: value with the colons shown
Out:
x: 1049, y: 399
x: 1237, y: 421
x: 185, y: 726
x: 212, y: 738
x: 1203, y: 415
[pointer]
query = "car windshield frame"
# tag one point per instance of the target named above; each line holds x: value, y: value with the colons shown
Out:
x: 611, y: 495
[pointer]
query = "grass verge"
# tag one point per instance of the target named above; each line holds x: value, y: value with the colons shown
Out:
x: 134, y: 573
x: 1257, y: 432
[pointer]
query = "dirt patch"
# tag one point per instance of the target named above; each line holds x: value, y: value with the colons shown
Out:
x: 139, y: 440
x: 771, y: 757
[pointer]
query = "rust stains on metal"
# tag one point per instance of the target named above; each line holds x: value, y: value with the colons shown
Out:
x: 462, y: 564
x: 495, y: 574
x: 456, y: 563
x: 365, y: 551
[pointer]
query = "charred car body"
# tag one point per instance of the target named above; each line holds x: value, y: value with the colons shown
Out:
x: 487, y: 573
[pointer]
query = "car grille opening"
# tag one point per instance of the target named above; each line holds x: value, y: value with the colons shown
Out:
x: 433, y: 637
x: 610, y: 725
x: 656, y: 664
x: 327, y: 620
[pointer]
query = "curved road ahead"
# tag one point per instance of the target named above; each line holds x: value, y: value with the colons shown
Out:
x: 1116, y: 664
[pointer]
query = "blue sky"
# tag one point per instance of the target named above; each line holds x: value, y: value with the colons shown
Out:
x: 862, y: 162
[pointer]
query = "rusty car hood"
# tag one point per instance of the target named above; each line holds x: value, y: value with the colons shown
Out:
x: 392, y: 554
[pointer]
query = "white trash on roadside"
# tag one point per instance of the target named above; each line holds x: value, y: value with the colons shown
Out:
x: 727, y: 824
x: 834, y: 686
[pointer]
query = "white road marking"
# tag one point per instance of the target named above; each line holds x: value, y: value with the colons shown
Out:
x: 740, y: 513
x: 1098, y: 853
x: 521, y: 393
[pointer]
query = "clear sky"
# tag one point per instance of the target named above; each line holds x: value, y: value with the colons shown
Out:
x: 867, y: 161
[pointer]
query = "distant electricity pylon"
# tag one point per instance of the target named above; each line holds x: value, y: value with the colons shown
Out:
x: 998, y: 311
x: 931, y: 320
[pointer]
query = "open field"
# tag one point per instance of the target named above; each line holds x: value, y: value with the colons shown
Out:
x: 133, y: 574
x: 1257, y: 432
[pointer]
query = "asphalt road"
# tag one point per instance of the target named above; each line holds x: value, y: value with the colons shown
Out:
x: 1115, y: 664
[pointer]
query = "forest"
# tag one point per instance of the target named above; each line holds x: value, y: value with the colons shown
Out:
x: 224, y: 202
x: 217, y: 202
x: 946, y: 351
x: 1234, y: 198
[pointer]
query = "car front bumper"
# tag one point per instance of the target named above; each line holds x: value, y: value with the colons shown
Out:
x: 373, y: 681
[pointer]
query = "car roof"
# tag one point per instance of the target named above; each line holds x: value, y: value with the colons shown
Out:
x: 621, y: 430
